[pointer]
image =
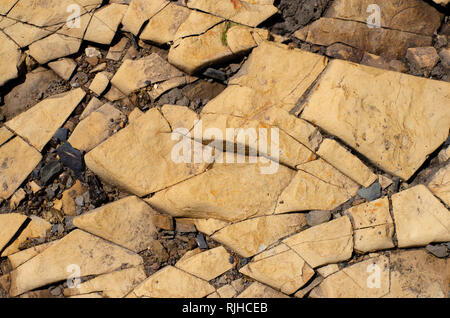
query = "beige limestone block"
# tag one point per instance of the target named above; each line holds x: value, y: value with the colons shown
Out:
x: 419, y: 217
x: 258, y: 290
x: 255, y: 235
x: 136, y: 74
x: 417, y: 274
x: 39, y: 123
x: 395, y: 15
x: 214, y: 194
x: 240, y: 39
x: 336, y: 155
x: 93, y: 255
x: 17, y: 160
x: 209, y: 226
x: 316, y: 186
x: 54, y: 47
x: 163, y: 26
x: 207, y: 265
x: 394, y: 119
x: 127, y: 222
x: 327, y: 270
x: 9, y: 58
x: 378, y: 41
x: 171, y: 282
x: 193, y: 53
x: 11, y: 223
x: 5, y: 135
x: 286, y: 271
x: 23, y: 34
x: 23, y: 256
x: 179, y: 116
x: 112, y: 285
x: 104, y: 23
x: 139, y: 11
x: 37, y: 228
x: 248, y: 12
x: 100, y: 82
x: 196, y: 23
x: 359, y: 280
x: 440, y: 184
x: 327, y: 243
x: 138, y: 158
x: 63, y: 67
x: 95, y: 128
x: 93, y: 105
x: 281, y: 74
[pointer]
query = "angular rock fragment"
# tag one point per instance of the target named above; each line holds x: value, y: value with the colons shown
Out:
x: 139, y: 11
x: 115, y: 52
x: 381, y: 123
x: 91, y: 254
x: 285, y: 271
x: 336, y: 155
x: 104, y: 23
x: 21, y: 257
x: 209, y: 226
x: 11, y: 223
x: 143, y: 72
x: 419, y: 217
x: 100, y: 83
x: 93, y: 105
x: 130, y: 159
x: 16, y: 198
x: 440, y: 184
x: 112, y: 285
x: 207, y: 265
x: 5, y: 135
x: 196, y: 23
x: 323, y: 244
x: 17, y: 161
x: 373, y: 226
x: 127, y: 222
x: 95, y: 128
x: 316, y: 186
x: 39, y: 124
x: 422, y: 59
x: 63, y: 67
x: 54, y: 47
x: 170, y: 282
x: 253, y: 236
x: 9, y: 56
x: 258, y: 290
x: 179, y: 116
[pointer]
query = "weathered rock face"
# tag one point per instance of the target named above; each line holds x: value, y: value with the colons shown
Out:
x: 63, y: 67
x: 54, y: 47
x: 373, y: 226
x: 404, y: 113
x: 127, y: 222
x: 419, y: 217
x: 323, y: 244
x: 21, y: 257
x: 17, y: 159
x: 104, y: 23
x: 253, y: 236
x: 5, y: 135
x: 440, y: 184
x: 139, y: 11
x: 128, y: 159
x: 93, y: 255
x: 170, y: 282
x: 39, y: 124
x: 11, y: 223
x: 8, y: 52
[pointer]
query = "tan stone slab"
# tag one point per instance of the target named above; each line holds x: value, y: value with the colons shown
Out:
x: 253, y: 236
x: 327, y: 270
x: 6, y: 5
x: 367, y: 279
x: 170, y: 282
x: 207, y: 265
x: 138, y: 158
x: 394, y: 119
x: 419, y: 217
x: 281, y: 74
x: 247, y: 12
x: 179, y: 116
x: 323, y: 244
x: 304, y: 291
x: 100, y: 82
x: 316, y: 186
x: 440, y: 184
x: 95, y: 128
x: 209, y: 226
x: 54, y: 47
x: 9, y: 56
x: 39, y: 123
x: 23, y: 256
x: 258, y: 290
x: 395, y: 14
x: 115, y: 52
x: 37, y: 228
x: 135, y: 114
x: 417, y: 274
x: 104, y: 23
x: 139, y: 11
x: 163, y: 26
x: 76, y: 32
x: 340, y: 158
x: 5, y: 135
x: 136, y: 74
x: 127, y: 222
x: 160, y: 88
x: 112, y: 285
x: 23, y: 34
x: 327, y: 31
x: 240, y: 39
x: 285, y: 271
x: 196, y: 23
x: 216, y: 195
x: 63, y: 67
x: 17, y: 159
x: 93, y: 105
x: 93, y: 255
x: 11, y: 223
